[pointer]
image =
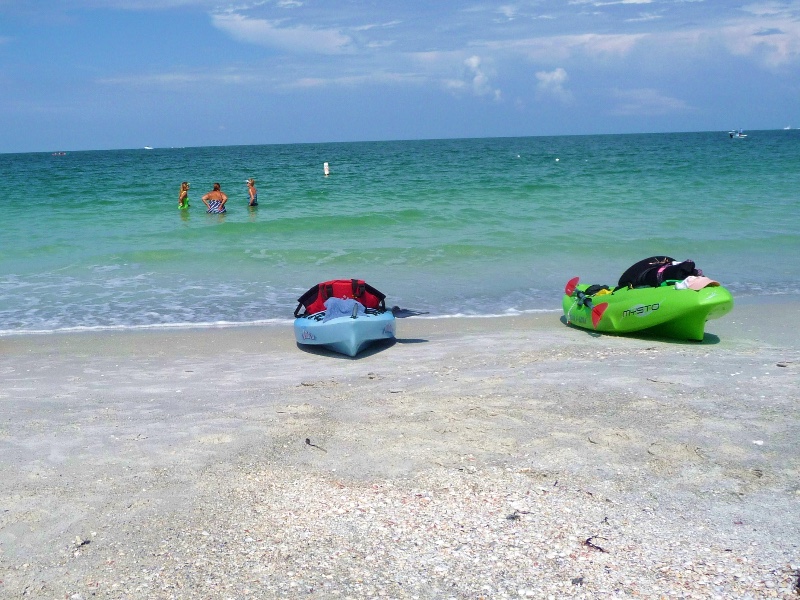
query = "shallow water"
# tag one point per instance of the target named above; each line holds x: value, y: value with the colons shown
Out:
x: 476, y: 227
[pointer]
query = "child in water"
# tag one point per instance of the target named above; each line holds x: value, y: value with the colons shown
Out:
x: 183, y: 196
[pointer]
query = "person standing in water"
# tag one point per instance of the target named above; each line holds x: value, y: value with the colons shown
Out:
x: 183, y: 196
x: 215, y: 200
x: 252, y: 191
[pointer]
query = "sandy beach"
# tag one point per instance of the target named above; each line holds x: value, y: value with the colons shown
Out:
x: 507, y: 457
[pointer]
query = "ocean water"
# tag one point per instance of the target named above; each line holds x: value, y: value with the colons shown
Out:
x: 449, y: 227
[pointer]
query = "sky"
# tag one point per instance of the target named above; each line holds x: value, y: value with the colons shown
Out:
x: 104, y: 74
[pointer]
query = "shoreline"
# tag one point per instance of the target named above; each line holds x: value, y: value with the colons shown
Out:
x: 471, y: 457
x: 747, y: 303
x: 747, y: 319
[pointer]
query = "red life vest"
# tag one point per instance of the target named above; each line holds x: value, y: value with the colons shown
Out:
x: 314, y: 299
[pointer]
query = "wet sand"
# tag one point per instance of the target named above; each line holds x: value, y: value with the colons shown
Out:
x: 502, y: 457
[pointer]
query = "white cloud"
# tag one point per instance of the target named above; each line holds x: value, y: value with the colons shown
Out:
x: 775, y: 42
x: 177, y: 80
x: 353, y: 80
x: 370, y: 26
x: 610, y: 2
x: 136, y: 5
x: 772, y: 9
x: 435, y: 57
x: 480, y: 81
x: 509, y: 12
x: 551, y: 83
x: 623, y: 2
x: 772, y: 42
x: 644, y: 17
x: 456, y: 73
x: 563, y: 47
x: 645, y: 102
x: 297, y: 39
x: 454, y: 84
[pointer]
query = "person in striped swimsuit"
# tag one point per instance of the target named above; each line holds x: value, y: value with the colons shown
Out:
x: 215, y: 200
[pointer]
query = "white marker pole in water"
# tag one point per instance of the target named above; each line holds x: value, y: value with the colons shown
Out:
x: 325, y: 169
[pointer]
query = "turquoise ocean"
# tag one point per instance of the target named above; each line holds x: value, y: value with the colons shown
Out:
x: 477, y: 227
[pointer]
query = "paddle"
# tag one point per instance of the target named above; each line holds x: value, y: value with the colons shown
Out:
x: 402, y: 313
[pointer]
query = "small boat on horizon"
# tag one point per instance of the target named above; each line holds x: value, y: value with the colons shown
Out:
x: 148, y: 147
x: 737, y: 134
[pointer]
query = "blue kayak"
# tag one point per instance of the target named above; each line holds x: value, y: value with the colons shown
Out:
x: 347, y: 335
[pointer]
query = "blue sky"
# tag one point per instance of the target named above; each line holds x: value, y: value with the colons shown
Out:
x: 99, y: 74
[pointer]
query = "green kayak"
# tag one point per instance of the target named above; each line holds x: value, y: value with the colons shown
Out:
x: 668, y: 310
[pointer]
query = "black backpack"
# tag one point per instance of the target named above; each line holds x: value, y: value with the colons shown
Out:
x: 653, y: 271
